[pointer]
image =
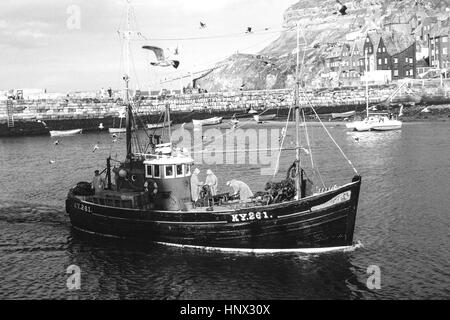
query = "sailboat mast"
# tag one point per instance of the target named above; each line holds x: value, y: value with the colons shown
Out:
x: 168, y: 121
x: 367, y: 84
x: 297, y: 120
x: 129, y: 115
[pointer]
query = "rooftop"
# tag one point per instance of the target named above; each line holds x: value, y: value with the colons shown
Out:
x: 396, y: 42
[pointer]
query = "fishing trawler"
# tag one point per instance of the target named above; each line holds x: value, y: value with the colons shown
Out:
x: 150, y: 200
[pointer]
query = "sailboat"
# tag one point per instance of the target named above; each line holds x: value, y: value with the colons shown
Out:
x: 150, y: 200
x: 375, y: 121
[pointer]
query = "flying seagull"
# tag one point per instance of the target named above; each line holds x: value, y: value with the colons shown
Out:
x: 160, y: 56
x: 202, y: 25
x: 249, y: 30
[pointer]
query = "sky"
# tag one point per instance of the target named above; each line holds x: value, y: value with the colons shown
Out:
x: 70, y: 45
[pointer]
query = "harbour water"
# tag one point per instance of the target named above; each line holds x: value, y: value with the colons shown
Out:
x: 403, y: 225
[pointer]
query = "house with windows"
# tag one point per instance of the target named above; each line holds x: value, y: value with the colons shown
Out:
x: 344, y: 62
x: 422, y: 31
x: 438, y: 45
x: 397, y: 52
x: 370, y: 46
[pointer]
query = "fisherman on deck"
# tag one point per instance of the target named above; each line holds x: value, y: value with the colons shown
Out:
x: 240, y: 188
x: 98, y: 183
x: 196, y: 185
x: 211, y: 181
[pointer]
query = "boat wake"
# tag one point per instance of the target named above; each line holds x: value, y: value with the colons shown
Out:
x: 351, y: 248
x: 23, y: 212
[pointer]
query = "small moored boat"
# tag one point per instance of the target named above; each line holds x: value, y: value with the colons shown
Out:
x: 62, y: 133
x: 117, y: 130
x: 343, y: 114
x: 158, y: 125
x: 207, y: 122
x: 262, y: 118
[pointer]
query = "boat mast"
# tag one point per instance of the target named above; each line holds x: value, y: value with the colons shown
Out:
x: 297, y: 121
x: 367, y: 84
x: 129, y: 115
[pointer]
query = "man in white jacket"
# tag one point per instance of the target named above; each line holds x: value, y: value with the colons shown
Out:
x: 196, y: 185
x: 211, y: 181
x: 240, y: 188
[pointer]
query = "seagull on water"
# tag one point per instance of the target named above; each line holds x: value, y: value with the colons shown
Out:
x: 95, y: 148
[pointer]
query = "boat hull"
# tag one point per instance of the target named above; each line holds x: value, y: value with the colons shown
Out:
x: 262, y: 118
x: 392, y: 125
x: 314, y: 222
x: 63, y: 133
x: 207, y: 122
x: 119, y: 130
x: 343, y: 114
x: 158, y: 125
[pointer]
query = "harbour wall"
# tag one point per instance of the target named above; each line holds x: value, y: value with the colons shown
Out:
x: 32, y: 117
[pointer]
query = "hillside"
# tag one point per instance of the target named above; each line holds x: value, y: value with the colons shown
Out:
x: 321, y: 28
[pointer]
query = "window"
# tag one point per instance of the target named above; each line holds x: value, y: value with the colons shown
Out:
x: 379, y: 61
x: 379, y: 49
x: 179, y: 169
x: 406, y: 59
x: 445, y: 39
x: 188, y: 169
x: 156, y: 172
x: 410, y: 60
x: 444, y: 50
x: 149, y: 171
x: 384, y: 49
x: 370, y: 50
x: 169, y: 171
x: 385, y: 60
x: 395, y: 73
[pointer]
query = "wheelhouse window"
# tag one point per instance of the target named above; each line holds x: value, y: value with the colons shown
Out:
x: 179, y: 170
x: 149, y: 171
x: 156, y: 172
x: 169, y: 171
x: 187, y: 169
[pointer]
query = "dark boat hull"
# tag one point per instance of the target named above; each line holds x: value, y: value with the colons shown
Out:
x: 314, y: 222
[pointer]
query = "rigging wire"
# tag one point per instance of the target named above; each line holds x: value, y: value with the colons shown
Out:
x: 214, y: 63
x: 314, y: 168
x: 231, y: 131
x: 282, y: 142
x: 328, y: 133
x: 221, y: 36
